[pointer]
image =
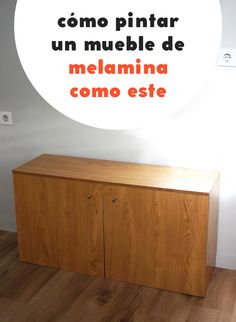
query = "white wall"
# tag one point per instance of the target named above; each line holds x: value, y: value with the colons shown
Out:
x: 202, y: 135
x: 229, y: 23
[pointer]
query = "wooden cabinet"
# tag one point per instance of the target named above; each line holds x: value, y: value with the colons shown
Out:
x: 150, y: 225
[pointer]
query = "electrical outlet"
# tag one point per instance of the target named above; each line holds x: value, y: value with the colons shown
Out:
x: 6, y: 118
x: 227, y: 57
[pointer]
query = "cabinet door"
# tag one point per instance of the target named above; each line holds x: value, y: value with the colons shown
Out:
x: 156, y: 238
x: 60, y: 223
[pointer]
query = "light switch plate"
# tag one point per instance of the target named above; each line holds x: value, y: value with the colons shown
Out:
x: 227, y: 57
x: 6, y: 118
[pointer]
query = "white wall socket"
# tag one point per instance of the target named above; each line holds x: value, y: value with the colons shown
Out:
x: 227, y: 57
x: 6, y: 118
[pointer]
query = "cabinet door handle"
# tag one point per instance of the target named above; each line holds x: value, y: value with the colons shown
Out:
x: 114, y: 200
x: 89, y: 197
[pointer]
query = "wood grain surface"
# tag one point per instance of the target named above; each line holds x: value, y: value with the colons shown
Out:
x: 156, y: 238
x: 169, y: 178
x: 60, y: 223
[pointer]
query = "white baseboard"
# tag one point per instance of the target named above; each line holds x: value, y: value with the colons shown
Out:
x: 226, y: 261
x: 8, y: 228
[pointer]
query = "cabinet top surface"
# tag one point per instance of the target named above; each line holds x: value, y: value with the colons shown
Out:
x: 133, y: 174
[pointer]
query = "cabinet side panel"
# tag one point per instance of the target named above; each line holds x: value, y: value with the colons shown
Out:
x: 212, y: 230
x: 156, y: 238
x: 60, y: 223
